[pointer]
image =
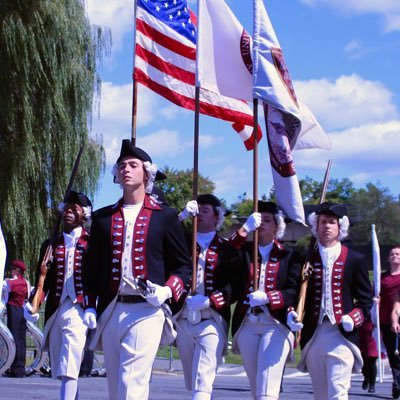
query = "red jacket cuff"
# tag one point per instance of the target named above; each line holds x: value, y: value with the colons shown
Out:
x: 176, y: 285
x: 357, y: 316
x: 218, y: 300
x: 89, y: 301
x: 237, y: 240
x: 275, y: 299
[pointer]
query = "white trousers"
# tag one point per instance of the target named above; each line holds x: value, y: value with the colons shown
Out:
x: 200, y: 348
x: 130, y: 342
x: 264, y: 348
x: 67, y: 338
x: 329, y: 361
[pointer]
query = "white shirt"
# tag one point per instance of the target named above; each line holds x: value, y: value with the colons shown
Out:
x: 265, y: 251
x: 70, y: 241
x: 328, y: 256
x: 203, y: 240
x: 127, y: 285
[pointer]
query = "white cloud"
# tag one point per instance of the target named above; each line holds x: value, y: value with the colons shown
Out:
x: 164, y: 143
x: 355, y: 50
x: 389, y: 9
x: 364, y: 154
x: 347, y: 102
x: 117, y: 15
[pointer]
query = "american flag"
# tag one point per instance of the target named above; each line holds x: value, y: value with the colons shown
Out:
x: 165, y: 62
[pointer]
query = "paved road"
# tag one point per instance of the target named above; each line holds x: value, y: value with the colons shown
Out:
x: 231, y: 384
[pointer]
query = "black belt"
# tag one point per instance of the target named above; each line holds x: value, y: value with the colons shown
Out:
x: 130, y: 299
x: 256, y: 310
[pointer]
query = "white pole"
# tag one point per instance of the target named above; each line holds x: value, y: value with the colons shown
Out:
x: 377, y: 290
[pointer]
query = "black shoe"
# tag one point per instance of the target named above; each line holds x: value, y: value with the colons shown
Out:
x: 11, y: 374
x: 8, y: 374
x: 395, y: 392
x: 364, y: 385
x: 371, y: 389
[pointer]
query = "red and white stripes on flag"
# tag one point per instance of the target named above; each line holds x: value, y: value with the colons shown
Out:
x: 165, y: 62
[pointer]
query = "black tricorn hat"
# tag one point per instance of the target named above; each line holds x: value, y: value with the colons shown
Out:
x: 129, y: 150
x: 208, y: 199
x: 159, y: 196
x: 78, y: 198
x: 212, y: 200
x: 160, y: 176
x: 331, y: 208
x: 267, y: 206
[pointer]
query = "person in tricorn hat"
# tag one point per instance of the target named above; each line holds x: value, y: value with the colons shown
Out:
x: 339, y: 298
x: 259, y: 329
x: 17, y: 289
x: 64, y: 330
x: 138, y: 265
x: 203, y: 323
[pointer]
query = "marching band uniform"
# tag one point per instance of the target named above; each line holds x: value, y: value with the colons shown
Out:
x: 131, y: 242
x: 339, y: 297
x: 18, y: 289
x: 369, y: 353
x: 389, y: 298
x: 260, y: 334
x: 202, y: 342
x: 64, y: 330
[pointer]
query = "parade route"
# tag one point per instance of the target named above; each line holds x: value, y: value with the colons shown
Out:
x: 231, y: 384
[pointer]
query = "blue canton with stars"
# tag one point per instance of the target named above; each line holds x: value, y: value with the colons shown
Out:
x: 174, y: 13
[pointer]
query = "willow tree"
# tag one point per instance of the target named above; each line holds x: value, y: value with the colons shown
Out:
x: 48, y: 58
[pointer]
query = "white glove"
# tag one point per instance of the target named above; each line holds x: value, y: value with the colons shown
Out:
x: 90, y: 318
x: 28, y: 313
x: 347, y: 323
x: 198, y: 302
x: 258, y: 298
x: 191, y: 210
x: 292, y: 322
x: 159, y: 295
x: 6, y: 287
x: 252, y: 223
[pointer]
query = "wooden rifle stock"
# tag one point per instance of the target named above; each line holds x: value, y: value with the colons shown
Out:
x: 48, y: 255
x: 306, y: 271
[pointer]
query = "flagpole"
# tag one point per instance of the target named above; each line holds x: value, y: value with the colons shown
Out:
x: 196, y: 157
x: 134, y: 88
x: 377, y: 291
x: 195, y: 186
x: 255, y: 190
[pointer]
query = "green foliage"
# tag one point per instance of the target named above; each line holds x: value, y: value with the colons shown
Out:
x: 178, y: 188
x: 245, y: 206
x: 337, y: 191
x: 373, y: 204
x: 47, y: 80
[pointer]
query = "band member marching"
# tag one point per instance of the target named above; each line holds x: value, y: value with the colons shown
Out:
x: 134, y: 243
x: 17, y: 290
x: 202, y: 325
x: 339, y: 297
x: 64, y: 331
x: 259, y: 328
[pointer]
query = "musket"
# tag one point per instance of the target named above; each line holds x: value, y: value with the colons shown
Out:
x: 307, y: 269
x: 48, y: 255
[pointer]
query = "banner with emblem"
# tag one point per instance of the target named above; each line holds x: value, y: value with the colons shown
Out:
x: 272, y: 84
x: 233, y: 63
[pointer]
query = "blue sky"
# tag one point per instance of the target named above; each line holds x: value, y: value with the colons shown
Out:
x: 344, y: 60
